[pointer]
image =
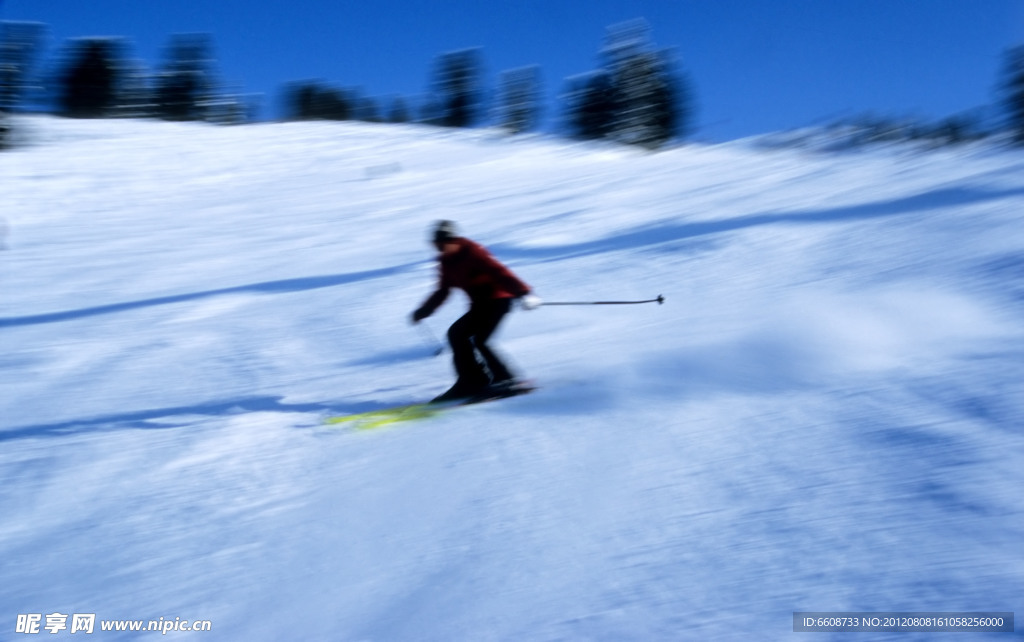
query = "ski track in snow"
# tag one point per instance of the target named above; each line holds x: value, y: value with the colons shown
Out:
x: 825, y: 414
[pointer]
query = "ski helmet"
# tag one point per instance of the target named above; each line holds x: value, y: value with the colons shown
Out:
x: 444, y: 231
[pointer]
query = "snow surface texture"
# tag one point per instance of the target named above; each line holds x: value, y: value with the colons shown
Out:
x: 825, y: 415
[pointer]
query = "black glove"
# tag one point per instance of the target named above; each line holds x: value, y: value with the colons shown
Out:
x: 419, y: 315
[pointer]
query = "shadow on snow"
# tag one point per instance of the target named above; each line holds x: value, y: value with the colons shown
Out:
x: 661, y: 234
x: 164, y: 418
x: 284, y: 286
x: 639, y: 238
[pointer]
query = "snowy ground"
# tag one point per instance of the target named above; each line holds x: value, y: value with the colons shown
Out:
x: 825, y: 415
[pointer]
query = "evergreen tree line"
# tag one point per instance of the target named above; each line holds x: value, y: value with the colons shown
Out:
x: 635, y: 98
x: 95, y: 78
x: 636, y: 95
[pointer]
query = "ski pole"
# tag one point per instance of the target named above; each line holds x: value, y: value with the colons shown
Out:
x: 428, y: 334
x: 658, y: 300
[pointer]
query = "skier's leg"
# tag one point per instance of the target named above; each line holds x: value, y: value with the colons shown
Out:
x: 489, y: 319
x: 468, y: 370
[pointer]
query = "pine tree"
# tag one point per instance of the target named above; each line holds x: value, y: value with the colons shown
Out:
x: 19, y: 42
x: 312, y: 100
x: 636, y: 97
x: 365, y: 109
x: 648, y: 111
x: 5, y: 130
x: 300, y: 99
x: 458, y: 87
x: 185, y: 84
x: 135, y: 99
x: 399, y: 112
x: 520, y: 100
x: 593, y: 104
x: 431, y: 111
x: 90, y: 83
x: 1013, y: 92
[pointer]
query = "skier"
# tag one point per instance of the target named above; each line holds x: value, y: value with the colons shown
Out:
x: 491, y: 288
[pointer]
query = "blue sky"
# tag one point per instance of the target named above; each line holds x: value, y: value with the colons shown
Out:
x: 755, y: 65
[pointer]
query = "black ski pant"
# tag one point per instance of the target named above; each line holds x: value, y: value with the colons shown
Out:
x: 475, y: 363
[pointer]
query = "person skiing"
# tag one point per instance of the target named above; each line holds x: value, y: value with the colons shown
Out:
x: 491, y: 288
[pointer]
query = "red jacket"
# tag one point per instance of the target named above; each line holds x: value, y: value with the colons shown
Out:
x: 473, y: 269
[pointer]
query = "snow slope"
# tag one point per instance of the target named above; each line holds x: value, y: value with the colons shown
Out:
x: 825, y: 415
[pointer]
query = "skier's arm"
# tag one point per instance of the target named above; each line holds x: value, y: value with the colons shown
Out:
x: 435, y: 300
x: 503, y: 276
x: 432, y: 303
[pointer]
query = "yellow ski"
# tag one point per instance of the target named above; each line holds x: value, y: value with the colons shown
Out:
x: 386, y: 416
x: 408, y: 412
